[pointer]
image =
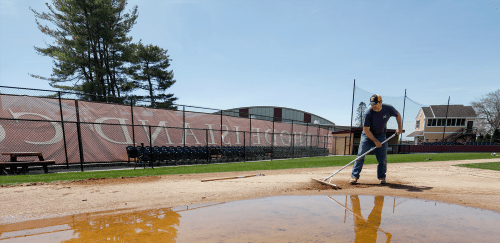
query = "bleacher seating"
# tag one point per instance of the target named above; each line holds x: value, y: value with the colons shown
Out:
x: 179, y: 155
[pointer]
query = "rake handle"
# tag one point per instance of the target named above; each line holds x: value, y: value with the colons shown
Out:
x: 359, y: 157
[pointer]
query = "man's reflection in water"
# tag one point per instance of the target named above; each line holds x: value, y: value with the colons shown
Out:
x: 366, y: 230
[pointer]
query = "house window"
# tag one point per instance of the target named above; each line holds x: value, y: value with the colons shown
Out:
x: 443, y: 122
x: 417, y: 125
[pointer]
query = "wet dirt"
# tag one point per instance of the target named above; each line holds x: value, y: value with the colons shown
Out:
x: 437, y: 181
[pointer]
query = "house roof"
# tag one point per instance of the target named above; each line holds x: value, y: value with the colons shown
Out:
x: 415, y: 134
x: 453, y: 111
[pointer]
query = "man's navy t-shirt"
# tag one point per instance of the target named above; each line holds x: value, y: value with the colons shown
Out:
x: 377, y: 121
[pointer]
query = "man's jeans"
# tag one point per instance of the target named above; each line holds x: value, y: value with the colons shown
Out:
x: 381, y: 153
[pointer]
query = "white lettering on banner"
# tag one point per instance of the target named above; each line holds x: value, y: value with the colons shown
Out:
x: 99, y: 131
x: 224, y: 134
x: 237, y: 134
x: 58, y: 129
x: 161, y: 124
x: 289, y: 137
x: 211, y: 131
x: 2, y: 133
x: 267, y: 140
x: 299, y: 137
x: 256, y: 135
x: 187, y: 133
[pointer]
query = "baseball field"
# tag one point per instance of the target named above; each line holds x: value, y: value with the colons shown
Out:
x: 449, y: 181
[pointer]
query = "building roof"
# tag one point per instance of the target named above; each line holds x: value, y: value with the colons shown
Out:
x: 415, y: 134
x: 284, y: 108
x: 434, y: 111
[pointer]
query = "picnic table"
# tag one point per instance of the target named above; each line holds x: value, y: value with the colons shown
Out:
x: 14, y: 163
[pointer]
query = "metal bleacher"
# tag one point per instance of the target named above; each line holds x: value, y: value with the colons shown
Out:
x: 179, y: 155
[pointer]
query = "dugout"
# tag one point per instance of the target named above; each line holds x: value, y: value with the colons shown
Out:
x: 346, y: 142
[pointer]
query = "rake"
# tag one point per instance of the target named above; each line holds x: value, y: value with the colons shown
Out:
x: 323, y: 180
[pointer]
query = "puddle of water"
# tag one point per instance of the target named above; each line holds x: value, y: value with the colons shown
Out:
x: 273, y: 219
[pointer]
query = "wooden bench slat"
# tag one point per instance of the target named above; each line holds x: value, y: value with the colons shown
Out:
x: 49, y: 162
x: 25, y: 165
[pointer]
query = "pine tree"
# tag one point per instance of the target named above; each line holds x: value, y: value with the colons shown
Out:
x: 90, y: 45
x: 149, y: 70
x: 360, y: 115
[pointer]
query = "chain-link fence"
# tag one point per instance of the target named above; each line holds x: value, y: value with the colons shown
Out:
x: 71, y: 131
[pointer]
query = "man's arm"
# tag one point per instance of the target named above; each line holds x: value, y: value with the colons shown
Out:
x: 400, y: 125
x: 369, y: 134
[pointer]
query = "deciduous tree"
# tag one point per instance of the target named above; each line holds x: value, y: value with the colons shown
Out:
x: 488, y: 109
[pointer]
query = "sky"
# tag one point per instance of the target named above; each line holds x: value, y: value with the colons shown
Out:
x: 303, y: 55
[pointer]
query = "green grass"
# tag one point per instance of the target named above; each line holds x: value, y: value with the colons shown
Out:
x: 242, y: 166
x: 485, y: 166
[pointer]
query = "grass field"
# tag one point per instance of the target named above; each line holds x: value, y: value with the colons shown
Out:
x: 485, y: 166
x: 314, y: 162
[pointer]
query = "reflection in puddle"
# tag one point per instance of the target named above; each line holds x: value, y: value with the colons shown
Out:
x: 272, y: 219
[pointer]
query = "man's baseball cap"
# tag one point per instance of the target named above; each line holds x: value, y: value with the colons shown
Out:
x: 375, y: 99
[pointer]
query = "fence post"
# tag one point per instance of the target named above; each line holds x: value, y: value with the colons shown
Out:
x: 184, y: 125
x: 150, y: 140
x: 311, y: 151
x: 79, y: 132
x: 326, y: 140
x: 63, y: 131
x: 244, y: 148
x: 132, y: 119
x: 272, y: 142
x: 206, y: 144
x: 221, y: 129
x: 317, y: 138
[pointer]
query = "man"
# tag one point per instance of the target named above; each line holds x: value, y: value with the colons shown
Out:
x: 374, y: 129
x: 366, y: 229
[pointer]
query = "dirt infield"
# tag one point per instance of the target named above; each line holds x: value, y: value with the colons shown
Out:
x: 438, y: 181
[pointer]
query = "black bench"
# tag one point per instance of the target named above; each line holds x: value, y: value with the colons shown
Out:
x: 24, y: 165
x: 14, y: 163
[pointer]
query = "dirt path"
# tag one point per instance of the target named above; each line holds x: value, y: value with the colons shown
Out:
x: 438, y: 181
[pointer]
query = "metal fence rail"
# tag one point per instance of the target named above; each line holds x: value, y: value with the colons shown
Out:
x: 70, y: 130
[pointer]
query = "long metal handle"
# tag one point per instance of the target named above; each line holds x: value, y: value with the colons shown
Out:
x: 359, y: 157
